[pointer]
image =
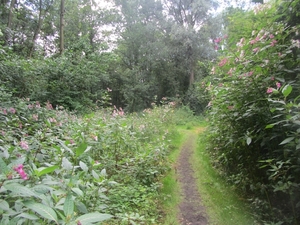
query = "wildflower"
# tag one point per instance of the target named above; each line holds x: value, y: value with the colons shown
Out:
x: 37, y: 105
x: 95, y: 137
x: 225, y: 36
x: 269, y: 90
x: 272, y: 78
x: 216, y: 47
x: 24, y: 145
x: 21, y: 172
x: 273, y: 43
x: 35, y: 117
x: 250, y: 73
x: 30, y: 106
x: 230, y: 71
x: 12, y: 110
x: 271, y: 36
x: 4, y: 111
x: 49, y: 106
x: 252, y: 42
x: 109, y: 90
x: 213, y: 70
x: 52, y: 120
x: 256, y: 50
x: 223, y: 62
x: 218, y: 40
x: 241, y: 43
x: 278, y: 84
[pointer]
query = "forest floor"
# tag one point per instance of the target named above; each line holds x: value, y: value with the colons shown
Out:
x: 191, y: 209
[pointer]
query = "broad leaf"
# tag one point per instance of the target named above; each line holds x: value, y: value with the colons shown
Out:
x: 249, y: 140
x: 83, y: 166
x: 269, y: 126
x: 49, y: 169
x: 4, y: 205
x: 287, y: 140
x: 69, y: 205
x: 81, y: 148
x: 3, y: 167
x: 21, y: 190
x: 28, y: 216
x: 287, y: 90
x: 93, y: 218
x: 43, y: 210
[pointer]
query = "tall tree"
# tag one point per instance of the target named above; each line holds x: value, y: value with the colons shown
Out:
x: 191, y: 32
x: 61, y: 27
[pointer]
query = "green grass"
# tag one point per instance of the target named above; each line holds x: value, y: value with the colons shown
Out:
x: 224, y: 206
x: 171, y: 192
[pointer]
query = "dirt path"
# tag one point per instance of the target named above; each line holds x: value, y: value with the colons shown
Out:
x: 191, y: 211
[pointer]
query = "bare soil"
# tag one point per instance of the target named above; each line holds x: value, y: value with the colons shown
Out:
x: 191, y: 210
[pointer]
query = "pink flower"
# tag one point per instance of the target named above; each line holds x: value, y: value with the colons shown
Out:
x: 278, y: 84
x: 30, y: 106
x: 37, y: 105
x: 252, y: 42
x: 4, y: 112
x: 12, y: 110
x: 216, y: 47
x: 256, y: 50
x: 218, y: 40
x: 223, y: 62
x: 24, y: 145
x: 21, y: 172
x: 52, y: 120
x: 272, y: 78
x: 273, y: 42
x: 49, y: 106
x: 213, y: 70
x: 35, y: 117
x: 269, y: 90
x: 230, y: 71
x: 271, y: 36
x: 95, y: 137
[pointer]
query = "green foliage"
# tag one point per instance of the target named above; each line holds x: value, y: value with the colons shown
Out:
x: 58, y: 168
x: 254, y: 114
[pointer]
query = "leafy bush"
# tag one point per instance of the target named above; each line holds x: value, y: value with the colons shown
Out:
x: 56, y: 167
x: 254, y: 118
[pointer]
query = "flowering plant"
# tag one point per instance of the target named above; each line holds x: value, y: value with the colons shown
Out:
x: 254, y: 113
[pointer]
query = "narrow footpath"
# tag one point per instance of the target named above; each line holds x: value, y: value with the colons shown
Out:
x: 191, y: 210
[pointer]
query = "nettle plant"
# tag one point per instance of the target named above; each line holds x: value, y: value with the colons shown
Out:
x: 255, y: 117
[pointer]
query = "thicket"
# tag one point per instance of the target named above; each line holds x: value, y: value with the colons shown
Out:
x: 254, y: 111
x: 60, y: 168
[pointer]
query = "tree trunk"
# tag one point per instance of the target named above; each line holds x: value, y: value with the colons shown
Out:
x: 61, y: 29
x: 10, y: 15
x: 9, y: 21
x: 37, y: 30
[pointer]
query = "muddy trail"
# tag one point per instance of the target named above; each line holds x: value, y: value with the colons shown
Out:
x: 191, y: 210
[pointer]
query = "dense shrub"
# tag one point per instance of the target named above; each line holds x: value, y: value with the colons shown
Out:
x: 254, y: 115
x: 56, y: 167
